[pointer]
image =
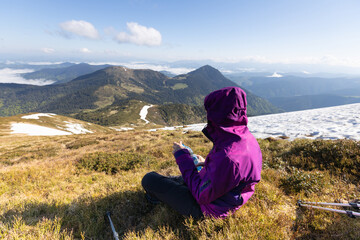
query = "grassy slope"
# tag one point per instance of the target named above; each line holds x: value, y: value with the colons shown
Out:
x: 46, y: 194
x: 112, y: 115
x: 128, y: 113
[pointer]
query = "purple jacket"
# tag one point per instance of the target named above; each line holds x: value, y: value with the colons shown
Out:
x: 233, y: 166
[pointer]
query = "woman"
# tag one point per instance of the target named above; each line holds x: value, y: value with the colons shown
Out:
x: 230, y: 171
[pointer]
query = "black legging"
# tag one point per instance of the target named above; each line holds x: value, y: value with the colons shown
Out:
x: 172, y: 192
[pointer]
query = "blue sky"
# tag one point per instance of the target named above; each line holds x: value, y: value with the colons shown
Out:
x: 287, y: 32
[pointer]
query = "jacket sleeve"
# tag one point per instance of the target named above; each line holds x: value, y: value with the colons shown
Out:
x: 218, y: 180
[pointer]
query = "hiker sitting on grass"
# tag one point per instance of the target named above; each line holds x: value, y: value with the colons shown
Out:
x: 230, y: 171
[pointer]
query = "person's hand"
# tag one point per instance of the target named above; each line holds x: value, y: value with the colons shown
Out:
x: 177, y: 146
x: 201, y: 160
x: 200, y: 164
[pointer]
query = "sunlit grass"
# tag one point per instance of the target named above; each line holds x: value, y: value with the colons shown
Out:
x: 61, y: 187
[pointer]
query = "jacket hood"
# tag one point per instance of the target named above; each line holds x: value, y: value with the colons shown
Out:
x: 226, y: 112
x: 226, y: 107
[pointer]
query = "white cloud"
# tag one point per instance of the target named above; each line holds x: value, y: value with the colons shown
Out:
x: 80, y: 28
x: 257, y: 59
x: 48, y: 50
x: 8, y: 75
x: 43, y: 63
x: 85, y: 50
x: 8, y: 62
x: 139, y: 35
x: 246, y: 69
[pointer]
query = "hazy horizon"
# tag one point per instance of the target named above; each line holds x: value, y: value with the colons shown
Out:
x: 274, y: 36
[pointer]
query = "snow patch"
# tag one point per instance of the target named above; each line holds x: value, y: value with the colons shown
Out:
x: 37, y: 115
x: 276, y: 75
x: 195, y: 127
x: 166, y: 128
x: 122, y: 129
x: 36, y: 130
x: 76, y: 128
x: 143, y: 113
x: 175, y: 127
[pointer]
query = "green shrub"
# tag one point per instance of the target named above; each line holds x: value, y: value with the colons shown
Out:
x: 272, y: 151
x: 300, y: 180
x: 111, y: 163
x: 340, y: 157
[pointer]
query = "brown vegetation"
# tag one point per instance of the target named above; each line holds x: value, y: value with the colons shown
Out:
x: 61, y: 187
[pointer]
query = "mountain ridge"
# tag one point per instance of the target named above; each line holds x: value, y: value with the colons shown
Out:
x: 112, y: 85
x: 306, y: 102
x: 65, y: 74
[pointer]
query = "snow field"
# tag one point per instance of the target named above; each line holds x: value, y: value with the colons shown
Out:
x: 36, y: 130
x: 340, y: 122
x: 324, y: 123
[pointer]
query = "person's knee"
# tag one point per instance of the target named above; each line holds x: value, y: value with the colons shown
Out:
x: 147, y: 180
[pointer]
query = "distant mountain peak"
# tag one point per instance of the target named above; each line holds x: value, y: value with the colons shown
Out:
x: 117, y: 69
x: 81, y: 64
x: 126, y: 73
x: 125, y: 69
x: 207, y: 71
x: 206, y: 68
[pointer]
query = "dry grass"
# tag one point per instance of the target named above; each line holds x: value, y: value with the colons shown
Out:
x: 45, y: 195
